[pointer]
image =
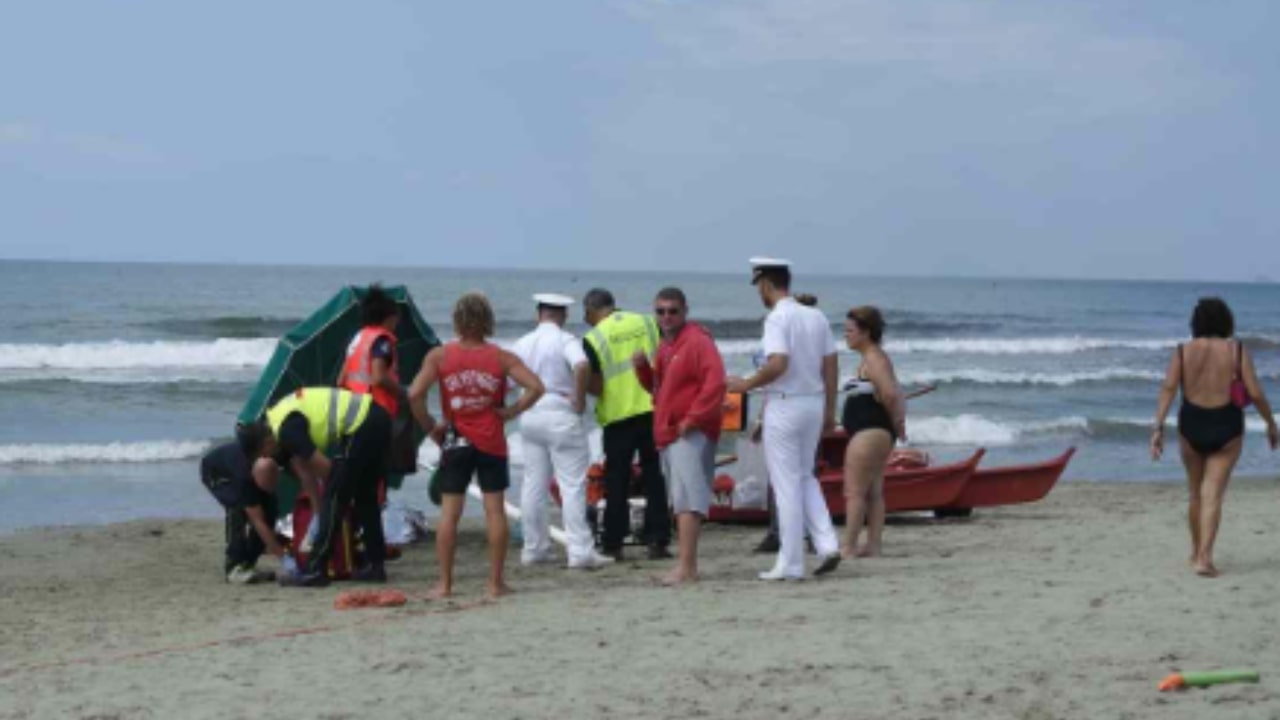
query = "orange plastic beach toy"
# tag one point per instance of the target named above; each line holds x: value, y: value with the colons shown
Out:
x: 352, y: 599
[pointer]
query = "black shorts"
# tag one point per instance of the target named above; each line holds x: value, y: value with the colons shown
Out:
x: 457, y: 465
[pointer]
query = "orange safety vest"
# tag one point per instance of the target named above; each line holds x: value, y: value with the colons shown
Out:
x: 357, y: 372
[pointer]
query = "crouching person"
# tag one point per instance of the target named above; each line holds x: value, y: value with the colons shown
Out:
x: 301, y: 431
x: 246, y: 489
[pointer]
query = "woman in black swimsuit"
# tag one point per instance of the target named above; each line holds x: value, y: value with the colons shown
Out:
x: 1210, y: 425
x: 874, y: 416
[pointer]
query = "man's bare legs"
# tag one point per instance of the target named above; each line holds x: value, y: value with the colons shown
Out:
x: 495, y: 522
x: 864, y: 461
x: 1217, y: 473
x: 689, y: 526
x: 447, y: 543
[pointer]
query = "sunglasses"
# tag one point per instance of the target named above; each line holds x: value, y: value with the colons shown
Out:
x: 660, y: 311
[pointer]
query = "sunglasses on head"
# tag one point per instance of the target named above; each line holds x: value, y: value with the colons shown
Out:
x: 666, y: 311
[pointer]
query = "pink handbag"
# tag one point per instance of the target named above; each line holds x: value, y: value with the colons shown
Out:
x: 1239, y: 393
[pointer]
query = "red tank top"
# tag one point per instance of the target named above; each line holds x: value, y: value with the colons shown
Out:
x: 473, y: 386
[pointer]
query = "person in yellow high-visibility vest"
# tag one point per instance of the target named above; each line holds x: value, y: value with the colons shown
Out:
x: 617, y: 341
x: 299, y: 431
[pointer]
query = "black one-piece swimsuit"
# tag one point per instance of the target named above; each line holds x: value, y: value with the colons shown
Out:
x: 1207, y: 430
x: 863, y: 412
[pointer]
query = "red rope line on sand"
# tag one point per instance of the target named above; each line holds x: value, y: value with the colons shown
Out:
x: 262, y: 637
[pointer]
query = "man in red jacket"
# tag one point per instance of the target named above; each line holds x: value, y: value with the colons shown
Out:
x: 688, y: 385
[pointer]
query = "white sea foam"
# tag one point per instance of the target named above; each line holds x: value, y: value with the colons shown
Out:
x: 132, y: 376
x: 971, y: 430
x: 1252, y: 423
x: 984, y: 376
x: 1022, y: 346
x: 121, y: 355
x: 118, y: 452
x: 983, y: 346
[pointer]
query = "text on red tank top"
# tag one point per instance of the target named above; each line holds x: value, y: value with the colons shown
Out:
x: 472, y: 379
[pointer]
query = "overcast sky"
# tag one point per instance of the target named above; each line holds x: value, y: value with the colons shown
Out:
x: 1079, y: 139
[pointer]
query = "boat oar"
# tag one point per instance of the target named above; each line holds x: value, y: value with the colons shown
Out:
x: 922, y: 390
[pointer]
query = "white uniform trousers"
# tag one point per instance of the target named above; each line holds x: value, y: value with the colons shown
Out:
x: 555, y: 441
x: 792, y: 430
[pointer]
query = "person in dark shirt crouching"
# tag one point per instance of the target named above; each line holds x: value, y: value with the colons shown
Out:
x: 246, y: 489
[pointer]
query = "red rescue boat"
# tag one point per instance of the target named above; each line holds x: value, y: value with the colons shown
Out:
x: 1010, y: 485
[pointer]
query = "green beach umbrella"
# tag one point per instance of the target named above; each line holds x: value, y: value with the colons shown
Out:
x: 312, y: 353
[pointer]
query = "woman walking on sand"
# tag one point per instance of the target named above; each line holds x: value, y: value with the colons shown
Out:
x: 1213, y: 372
x: 874, y: 416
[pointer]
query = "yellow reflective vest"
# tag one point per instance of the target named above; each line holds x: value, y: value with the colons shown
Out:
x: 331, y: 414
x: 614, y: 340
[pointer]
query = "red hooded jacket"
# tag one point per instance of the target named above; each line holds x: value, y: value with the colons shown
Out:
x: 688, y: 385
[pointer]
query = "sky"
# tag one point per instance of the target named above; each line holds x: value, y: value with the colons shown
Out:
x: 1092, y: 139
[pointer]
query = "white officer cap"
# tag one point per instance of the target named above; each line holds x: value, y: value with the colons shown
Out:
x: 762, y: 264
x: 553, y: 300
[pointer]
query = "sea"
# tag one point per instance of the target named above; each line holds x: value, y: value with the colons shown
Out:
x: 115, y: 378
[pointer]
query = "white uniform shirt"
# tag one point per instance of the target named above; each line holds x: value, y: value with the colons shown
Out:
x: 804, y: 336
x: 551, y: 353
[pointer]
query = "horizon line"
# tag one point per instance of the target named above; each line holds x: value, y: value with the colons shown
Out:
x: 1261, y: 280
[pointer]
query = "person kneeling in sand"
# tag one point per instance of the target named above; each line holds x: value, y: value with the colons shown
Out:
x: 688, y: 385
x: 248, y: 495
x: 472, y: 373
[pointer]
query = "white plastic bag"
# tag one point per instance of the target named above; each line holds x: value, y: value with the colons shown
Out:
x: 751, y: 481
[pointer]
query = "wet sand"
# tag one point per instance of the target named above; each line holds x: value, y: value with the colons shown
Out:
x: 1073, y: 607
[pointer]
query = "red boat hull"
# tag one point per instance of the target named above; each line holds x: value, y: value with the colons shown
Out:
x: 1011, y: 485
x: 904, y: 489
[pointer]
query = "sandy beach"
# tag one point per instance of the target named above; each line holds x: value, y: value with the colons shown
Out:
x: 1069, y: 608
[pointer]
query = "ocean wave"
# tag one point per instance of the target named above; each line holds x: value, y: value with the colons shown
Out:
x: 1260, y: 342
x: 1022, y: 346
x: 1139, y: 429
x: 121, y: 355
x: 982, y: 376
x: 117, y: 452
x: 974, y: 430
x: 980, y: 346
x: 226, y: 326
x: 55, y: 379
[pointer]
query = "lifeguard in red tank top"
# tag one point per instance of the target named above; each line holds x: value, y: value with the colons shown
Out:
x: 473, y: 386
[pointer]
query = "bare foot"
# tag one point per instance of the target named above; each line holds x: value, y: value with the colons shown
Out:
x: 493, y: 592
x: 846, y: 552
x: 868, y: 550
x: 439, y: 591
x: 675, y: 577
x: 1206, y: 570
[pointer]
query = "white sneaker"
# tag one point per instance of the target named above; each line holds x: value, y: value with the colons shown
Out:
x: 778, y: 575
x: 529, y: 559
x: 249, y: 575
x: 594, y: 561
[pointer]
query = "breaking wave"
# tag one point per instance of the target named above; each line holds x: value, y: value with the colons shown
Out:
x: 974, y: 430
x: 132, y: 452
x: 981, y: 376
x: 121, y: 355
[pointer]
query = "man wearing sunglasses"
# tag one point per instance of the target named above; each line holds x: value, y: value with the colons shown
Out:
x: 688, y: 383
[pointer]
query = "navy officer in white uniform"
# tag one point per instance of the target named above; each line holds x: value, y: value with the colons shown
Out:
x: 554, y: 437
x: 799, y: 380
